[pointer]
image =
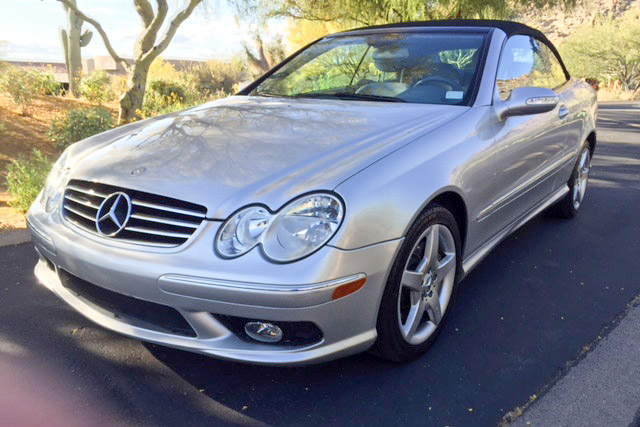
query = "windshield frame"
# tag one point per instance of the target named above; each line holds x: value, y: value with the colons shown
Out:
x: 486, y: 32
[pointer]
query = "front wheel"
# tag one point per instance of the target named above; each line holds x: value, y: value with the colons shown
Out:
x: 568, y: 207
x: 420, y: 288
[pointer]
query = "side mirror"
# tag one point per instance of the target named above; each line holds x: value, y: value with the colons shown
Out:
x: 527, y: 100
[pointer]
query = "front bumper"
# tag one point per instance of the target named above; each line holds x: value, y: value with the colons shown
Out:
x: 199, y: 285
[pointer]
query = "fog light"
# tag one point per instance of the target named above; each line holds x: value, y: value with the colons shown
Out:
x: 264, y: 332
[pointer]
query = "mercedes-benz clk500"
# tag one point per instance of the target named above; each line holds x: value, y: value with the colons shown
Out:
x: 332, y: 206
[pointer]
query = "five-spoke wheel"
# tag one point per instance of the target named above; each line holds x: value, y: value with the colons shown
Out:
x: 568, y: 206
x: 421, y: 286
x: 581, y: 178
x: 426, y: 284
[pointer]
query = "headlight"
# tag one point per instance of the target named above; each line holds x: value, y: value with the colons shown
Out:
x: 54, y: 185
x: 295, y: 231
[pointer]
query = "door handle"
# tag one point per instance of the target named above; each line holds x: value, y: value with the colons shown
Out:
x: 563, y: 111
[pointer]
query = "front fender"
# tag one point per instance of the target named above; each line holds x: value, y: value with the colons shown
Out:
x: 383, y: 200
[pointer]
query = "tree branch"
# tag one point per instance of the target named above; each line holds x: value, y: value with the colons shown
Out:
x: 100, y: 31
x: 147, y: 38
x: 145, y: 11
x: 178, y: 19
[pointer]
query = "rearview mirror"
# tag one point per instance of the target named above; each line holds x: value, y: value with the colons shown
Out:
x: 527, y: 100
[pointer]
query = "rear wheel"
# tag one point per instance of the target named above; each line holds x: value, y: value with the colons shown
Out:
x: 420, y: 288
x: 568, y: 207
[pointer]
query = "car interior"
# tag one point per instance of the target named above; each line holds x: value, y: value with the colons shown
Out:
x: 423, y: 72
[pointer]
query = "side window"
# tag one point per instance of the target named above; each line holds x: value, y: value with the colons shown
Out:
x: 556, y: 73
x: 527, y: 62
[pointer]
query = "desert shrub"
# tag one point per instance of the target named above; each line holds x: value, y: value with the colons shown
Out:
x: 608, y: 50
x: 168, y: 89
x: 26, y: 177
x: 79, y: 124
x: 156, y: 104
x: 218, y: 76
x: 20, y: 85
x: 45, y: 83
x: 96, y: 87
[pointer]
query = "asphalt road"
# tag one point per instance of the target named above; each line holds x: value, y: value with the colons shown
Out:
x: 526, y: 312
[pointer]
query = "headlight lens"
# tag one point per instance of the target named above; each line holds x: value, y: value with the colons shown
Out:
x: 242, y: 231
x: 54, y: 185
x: 298, y: 229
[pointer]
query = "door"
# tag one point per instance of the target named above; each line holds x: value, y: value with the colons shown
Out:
x: 527, y: 146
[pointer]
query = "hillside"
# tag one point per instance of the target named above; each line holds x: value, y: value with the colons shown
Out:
x: 558, y: 24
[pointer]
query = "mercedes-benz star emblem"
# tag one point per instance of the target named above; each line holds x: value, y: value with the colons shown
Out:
x: 113, y: 214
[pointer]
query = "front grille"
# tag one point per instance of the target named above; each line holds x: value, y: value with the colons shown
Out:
x: 155, y: 220
x: 136, y: 312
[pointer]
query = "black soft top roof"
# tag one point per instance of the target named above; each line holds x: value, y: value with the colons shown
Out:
x: 509, y: 27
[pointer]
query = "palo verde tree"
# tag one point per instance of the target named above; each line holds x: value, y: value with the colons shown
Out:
x: 608, y: 49
x: 350, y: 13
x: 148, y: 46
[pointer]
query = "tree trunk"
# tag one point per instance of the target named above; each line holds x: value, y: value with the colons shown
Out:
x: 131, y: 100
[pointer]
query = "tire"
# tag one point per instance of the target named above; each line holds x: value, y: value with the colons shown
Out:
x: 569, y: 206
x: 416, y: 278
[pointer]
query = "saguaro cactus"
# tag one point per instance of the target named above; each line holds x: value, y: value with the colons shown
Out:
x: 72, y: 40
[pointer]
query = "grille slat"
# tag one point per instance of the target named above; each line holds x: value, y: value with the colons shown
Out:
x: 79, y: 213
x: 90, y: 192
x: 157, y: 232
x: 86, y: 203
x: 148, y: 218
x: 167, y: 208
x: 155, y: 220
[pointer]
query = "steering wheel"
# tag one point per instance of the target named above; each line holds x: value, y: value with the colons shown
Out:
x: 439, y: 81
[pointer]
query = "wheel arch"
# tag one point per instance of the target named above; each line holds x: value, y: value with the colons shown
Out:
x: 451, y: 199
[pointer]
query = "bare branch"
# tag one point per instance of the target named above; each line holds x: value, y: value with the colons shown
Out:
x: 147, y: 38
x: 178, y: 19
x: 145, y: 11
x: 100, y: 31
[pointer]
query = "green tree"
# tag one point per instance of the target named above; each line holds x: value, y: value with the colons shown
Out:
x: 370, y: 12
x: 607, y: 50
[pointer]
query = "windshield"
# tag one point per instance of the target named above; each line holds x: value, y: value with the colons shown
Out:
x: 429, y: 68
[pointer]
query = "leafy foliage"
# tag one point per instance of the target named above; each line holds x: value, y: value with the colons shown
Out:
x: 20, y: 85
x: 371, y: 12
x: 23, y: 84
x: 46, y: 83
x: 608, y: 50
x: 168, y: 90
x: 300, y: 32
x: 216, y: 76
x: 96, y: 87
x: 26, y: 177
x: 79, y: 124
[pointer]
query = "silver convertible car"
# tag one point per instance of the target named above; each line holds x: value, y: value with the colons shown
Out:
x: 332, y: 206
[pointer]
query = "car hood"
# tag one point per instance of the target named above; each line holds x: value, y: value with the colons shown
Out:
x: 242, y: 150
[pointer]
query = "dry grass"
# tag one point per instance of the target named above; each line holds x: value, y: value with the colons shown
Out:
x: 20, y: 134
x: 10, y: 218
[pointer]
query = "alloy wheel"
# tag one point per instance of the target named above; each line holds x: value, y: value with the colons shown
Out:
x: 581, y: 178
x: 427, y: 284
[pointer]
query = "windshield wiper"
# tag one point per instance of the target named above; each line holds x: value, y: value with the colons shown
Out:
x: 347, y: 95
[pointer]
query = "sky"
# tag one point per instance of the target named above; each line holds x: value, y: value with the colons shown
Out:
x: 30, y: 30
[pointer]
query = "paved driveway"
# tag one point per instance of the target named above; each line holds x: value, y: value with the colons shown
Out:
x: 534, y: 305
